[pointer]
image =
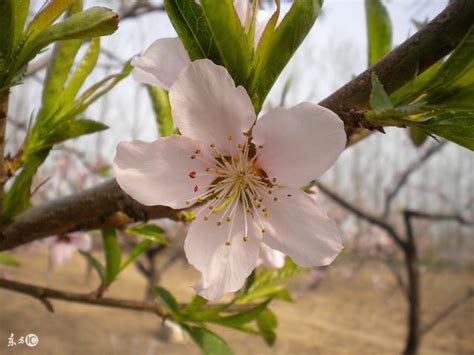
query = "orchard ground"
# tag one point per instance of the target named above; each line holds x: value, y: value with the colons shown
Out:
x: 355, y: 309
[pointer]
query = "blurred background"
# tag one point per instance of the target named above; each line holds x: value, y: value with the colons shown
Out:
x: 356, y: 306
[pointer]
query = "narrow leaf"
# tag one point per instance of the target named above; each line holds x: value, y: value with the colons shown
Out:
x: 189, y: 22
x: 162, y: 108
x: 136, y: 252
x: 267, y: 323
x: 243, y: 317
x: 150, y: 231
x: 379, y: 30
x: 98, y: 267
x: 209, y: 342
x: 167, y: 300
x: 277, y: 47
x: 230, y: 38
x: 379, y: 100
x: 47, y: 15
x: 6, y: 259
x: 112, y: 254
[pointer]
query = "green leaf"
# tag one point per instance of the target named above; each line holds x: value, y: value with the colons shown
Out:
x: 273, y: 291
x: 196, y: 304
x: 13, y: 14
x: 243, y: 317
x: 48, y: 13
x: 94, y: 22
x: 17, y: 199
x: 454, y: 126
x: 209, y: 342
x: 417, y: 136
x: 276, y: 47
x: 8, y: 260
x: 112, y: 254
x: 230, y: 38
x: 267, y: 323
x: 379, y: 100
x: 162, y: 108
x: 379, y: 30
x: 150, y: 231
x: 64, y: 130
x: 98, y: 267
x: 457, y: 71
x: 167, y: 300
x: 136, y: 252
x: 58, y: 71
x: 189, y: 22
x: 83, y: 70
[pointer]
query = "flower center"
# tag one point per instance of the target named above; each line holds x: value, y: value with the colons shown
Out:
x: 239, y: 184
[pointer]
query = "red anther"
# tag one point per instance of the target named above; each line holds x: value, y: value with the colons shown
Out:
x: 196, y: 188
x: 192, y: 174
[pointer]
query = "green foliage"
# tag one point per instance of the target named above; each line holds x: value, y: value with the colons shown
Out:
x: 277, y: 46
x: 213, y: 30
x: 191, y: 25
x: 113, y: 255
x: 150, y: 231
x: 162, y: 109
x: 267, y: 323
x: 230, y: 38
x: 439, y: 102
x: 136, y: 252
x: 379, y: 30
x: 168, y: 301
x: 8, y: 260
x: 98, y: 267
x: 209, y: 342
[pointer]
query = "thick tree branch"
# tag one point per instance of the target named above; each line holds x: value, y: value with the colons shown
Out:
x: 106, y: 204
x: 364, y: 215
x: 438, y: 38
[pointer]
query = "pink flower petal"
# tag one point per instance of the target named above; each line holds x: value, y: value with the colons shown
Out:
x: 81, y: 241
x: 299, y: 144
x: 271, y: 258
x: 61, y: 252
x: 207, y: 106
x: 161, y: 63
x: 297, y: 227
x: 224, y: 267
x: 162, y: 172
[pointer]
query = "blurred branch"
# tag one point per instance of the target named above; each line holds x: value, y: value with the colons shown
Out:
x: 434, y: 41
x: 359, y: 212
x: 447, y: 311
x: 439, y: 217
x: 44, y: 294
x: 139, y: 8
x: 403, y: 177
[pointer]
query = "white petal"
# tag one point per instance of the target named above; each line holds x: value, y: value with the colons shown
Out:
x: 224, y: 267
x: 271, y: 258
x: 299, y: 144
x: 207, y: 106
x: 161, y: 63
x: 158, y: 173
x: 297, y: 227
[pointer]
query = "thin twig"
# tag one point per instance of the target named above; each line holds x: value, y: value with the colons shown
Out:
x: 411, y: 168
x: 447, y: 311
x: 359, y: 212
x: 45, y: 294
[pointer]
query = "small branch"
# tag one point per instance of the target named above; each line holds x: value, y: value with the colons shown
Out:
x: 362, y: 214
x: 447, y: 311
x: 139, y: 8
x: 439, y: 217
x: 44, y: 294
x: 403, y: 177
x: 3, y: 125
